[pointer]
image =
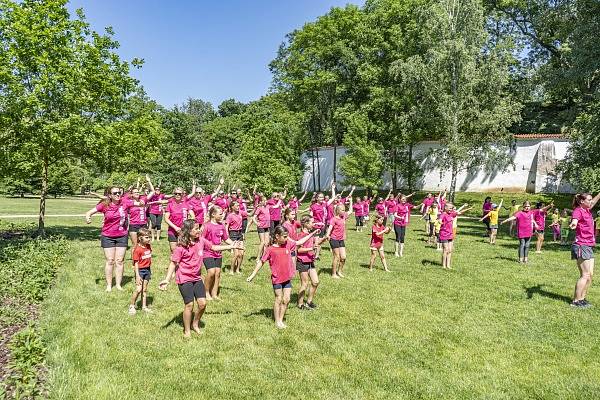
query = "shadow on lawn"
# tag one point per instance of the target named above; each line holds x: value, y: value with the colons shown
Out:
x: 124, y: 282
x: 538, y: 289
x: 78, y: 232
x: 266, y: 312
x: 178, y: 319
x: 426, y: 263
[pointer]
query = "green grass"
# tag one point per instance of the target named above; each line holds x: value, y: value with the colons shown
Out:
x: 490, y: 328
x: 31, y: 205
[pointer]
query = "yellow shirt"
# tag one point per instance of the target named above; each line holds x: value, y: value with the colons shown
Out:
x: 494, y: 217
x: 433, y: 214
x: 597, y: 220
x: 555, y: 219
x: 513, y: 210
x: 565, y: 222
x: 438, y: 225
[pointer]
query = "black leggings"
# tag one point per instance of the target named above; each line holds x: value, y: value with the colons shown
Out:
x: 486, y: 221
x: 359, y: 220
x: 524, y: 247
x: 400, y: 232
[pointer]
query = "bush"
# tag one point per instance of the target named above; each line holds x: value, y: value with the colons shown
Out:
x: 27, y: 356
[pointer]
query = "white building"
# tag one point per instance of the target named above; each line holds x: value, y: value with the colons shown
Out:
x: 535, y: 157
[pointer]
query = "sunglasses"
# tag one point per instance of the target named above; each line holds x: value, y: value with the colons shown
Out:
x: 178, y: 194
x: 115, y: 193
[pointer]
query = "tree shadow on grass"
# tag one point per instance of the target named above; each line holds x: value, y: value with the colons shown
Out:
x: 178, y: 319
x: 266, y: 312
x: 514, y: 260
x: 538, y: 289
x: 426, y: 263
x: 77, y: 232
x: 325, y: 270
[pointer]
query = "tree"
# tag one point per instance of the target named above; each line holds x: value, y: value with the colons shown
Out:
x: 460, y: 81
x: 362, y: 165
x: 60, y: 83
x: 231, y: 107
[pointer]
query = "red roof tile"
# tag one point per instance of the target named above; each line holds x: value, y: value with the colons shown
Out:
x: 539, y: 136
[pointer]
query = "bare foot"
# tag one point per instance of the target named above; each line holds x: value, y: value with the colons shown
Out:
x: 387, y: 270
x: 341, y: 275
x: 280, y: 325
x: 396, y: 255
x: 187, y: 335
x: 230, y: 272
x: 370, y: 269
x: 335, y: 276
x: 216, y: 298
x: 118, y: 287
x: 196, y: 329
x: 108, y: 288
x: 208, y: 298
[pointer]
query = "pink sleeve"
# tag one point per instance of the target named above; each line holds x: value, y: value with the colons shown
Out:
x: 225, y: 234
x: 206, y: 244
x: 177, y: 253
x: 266, y: 255
x: 100, y: 207
x: 291, y: 244
x: 169, y: 209
x: 576, y: 214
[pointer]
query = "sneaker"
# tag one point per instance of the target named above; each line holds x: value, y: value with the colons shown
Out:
x: 311, y: 305
x: 303, y: 307
x: 580, y: 304
x: 132, y: 310
x: 585, y: 303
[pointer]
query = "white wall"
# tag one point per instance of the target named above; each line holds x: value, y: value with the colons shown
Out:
x: 533, y: 170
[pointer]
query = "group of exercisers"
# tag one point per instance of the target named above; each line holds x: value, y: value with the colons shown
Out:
x: 202, y: 226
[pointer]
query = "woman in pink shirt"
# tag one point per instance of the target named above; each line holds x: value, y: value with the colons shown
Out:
x: 186, y: 263
x: 261, y: 218
x: 425, y: 205
x: 525, y: 225
x: 447, y: 233
x: 366, y: 207
x: 114, y: 233
x: 401, y: 219
x: 380, y: 210
x: 233, y: 222
x: 358, y: 208
x: 336, y: 233
x: 539, y: 216
x: 279, y: 256
x: 155, y: 212
x: 582, y: 250
x: 178, y: 210
x: 137, y: 213
x: 216, y: 233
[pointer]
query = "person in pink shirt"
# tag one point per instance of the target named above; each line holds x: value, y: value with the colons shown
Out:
x: 113, y: 239
x: 582, y: 250
x: 319, y: 211
x: 359, y: 209
x: 390, y: 207
x: 279, y: 256
x: 155, y: 212
x: 137, y: 213
x: 525, y: 226
x: 261, y: 217
x: 366, y: 202
x: 380, y: 210
x: 216, y: 233
x: 294, y: 202
x: 243, y: 209
x: 275, y: 205
x: 336, y: 233
x: 291, y: 223
x: 305, y: 265
x: 177, y: 211
x: 186, y: 264
x: 377, y: 233
x: 446, y: 231
x: 539, y: 216
x: 401, y: 219
x: 233, y: 222
x: 425, y: 205
x: 198, y: 203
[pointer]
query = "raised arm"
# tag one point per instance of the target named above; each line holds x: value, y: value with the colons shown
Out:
x: 302, y: 198
x: 150, y: 186
x: 595, y: 200
x: 193, y: 192
x: 221, y: 182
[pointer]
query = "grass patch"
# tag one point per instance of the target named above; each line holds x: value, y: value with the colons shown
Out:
x: 31, y: 205
x: 490, y: 328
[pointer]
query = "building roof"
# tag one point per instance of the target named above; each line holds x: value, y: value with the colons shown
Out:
x: 539, y: 136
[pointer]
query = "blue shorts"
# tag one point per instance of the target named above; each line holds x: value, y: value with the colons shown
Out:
x: 581, y: 252
x: 145, y: 274
x: 283, y: 285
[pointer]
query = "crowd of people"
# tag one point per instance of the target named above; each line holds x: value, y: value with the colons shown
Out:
x: 201, y: 226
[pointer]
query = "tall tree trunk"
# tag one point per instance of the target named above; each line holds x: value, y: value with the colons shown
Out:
x: 454, y: 174
x: 334, y: 157
x: 313, y: 170
x: 43, y: 194
x: 410, y: 171
x: 318, y: 169
x: 394, y: 170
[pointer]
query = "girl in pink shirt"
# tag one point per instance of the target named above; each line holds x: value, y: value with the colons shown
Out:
x: 216, y: 233
x: 137, y: 213
x: 261, y: 218
x: 336, y: 233
x: 186, y: 263
x: 233, y: 222
x: 401, y: 218
x: 539, y: 216
x: 582, y: 250
x: 380, y: 210
x: 359, y: 215
x: 425, y: 206
x: 377, y: 232
x: 114, y: 233
x: 305, y: 265
x: 525, y: 225
x: 155, y: 212
x: 446, y: 231
x: 279, y: 256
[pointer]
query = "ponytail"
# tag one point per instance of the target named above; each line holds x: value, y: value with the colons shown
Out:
x: 578, y: 199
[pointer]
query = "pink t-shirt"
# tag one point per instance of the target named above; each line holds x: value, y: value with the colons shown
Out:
x: 339, y: 227
x: 584, y: 233
x: 221, y: 202
x: 198, y: 207
x: 262, y: 216
x: 293, y: 204
x: 115, y: 218
x: 524, y: 224
x: 215, y: 234
x: 280, y: 261
x: 390, y: 206
x: 427, y: 202
x: 446, y: 220
x: 319, y: 212
x: 329, y: 214
x: 178, y: 212
x: 539, y: 217
x: 377, y: 240
x: 156, y: 209
x: 275, y: 212
x: 292, y: 228
x: 380, y: 209
x: 189, y: 260
x: 358, y: 209
x: 366, y: 204
x: 403, y: 214
x: 243, y: 208
x: 137, y: 214
x: 309, y: 256
x: 234, y: 221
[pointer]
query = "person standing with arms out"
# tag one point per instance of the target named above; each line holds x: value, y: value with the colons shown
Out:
x: 539, y: 216
x: 114, y: 233
x: 261, y: 217
x: 137, y: 214
x: 279, y: 256
x: 336, y: 233
x: 401, y: 219
x: 178, y: 210
x: 582, y: 250
x: 555, y: 225
x: 565, y: 223
x: 390, y: 207
x: 318, y: 211
x: 428, y: 201
x: 142, y: 261
x: 487, y: 207
x: 525, y: 226
x: 359, y: 209
x: 446, y: 232
x: 377, y: 233
x: 275, y: 204
x: 493, y: 218
x: 294, y: 202
x: 234, y: 228
x: 216, y: 233
x: 380, y: 210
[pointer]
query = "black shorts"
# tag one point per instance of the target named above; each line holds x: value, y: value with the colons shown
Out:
x: 582, y: 252
x: 210, y: 262
x: 274, y: 224
x: 540, y: 231
x: 136, y: 228
x: 155, y: 221
x: 304, y: 267
x: 192, y: 290
x: 172, y: 238
x: 359, y: 220
x: 336, y: 244
x: 236, y: 235
x: 323, y: 230
x: 108, y: 242
x: 263, y: 230
x: 445, y: 241
x: 431, y: 229
x: 283, y: 285
x: 145, y: 274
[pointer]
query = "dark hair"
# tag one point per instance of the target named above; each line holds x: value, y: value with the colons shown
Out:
x: 287, y: 213
x: 539, y: 204
x: 488, y: 199
x: 305, y: 220
x: 106, y: 201
x: 279, y: 230
x: 578, y: 199
x: 233, y: 203
x: 144, y: 232
x: 185, y: 238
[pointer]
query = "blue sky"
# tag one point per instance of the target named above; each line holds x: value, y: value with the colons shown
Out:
x: 212, y: 50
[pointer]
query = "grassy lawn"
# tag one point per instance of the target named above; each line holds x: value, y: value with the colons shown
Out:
x: 31, y: 205
x: 490, y: 328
